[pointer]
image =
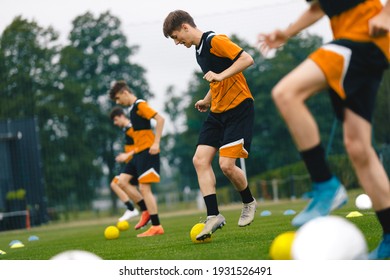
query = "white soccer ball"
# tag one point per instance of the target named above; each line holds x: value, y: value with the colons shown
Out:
x: 329, y: 238
x: 75, y: 255
x: 363, y: 202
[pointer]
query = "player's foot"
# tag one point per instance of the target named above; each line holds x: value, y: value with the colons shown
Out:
x: 128, y: 215
x: 153, y: 230
x: 381, y: 252
x: 327, y: 196
x: 145, y: 218
x: 212, y: 224
x: 247, y: 213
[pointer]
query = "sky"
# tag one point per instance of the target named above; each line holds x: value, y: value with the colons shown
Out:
x: 166, y: 64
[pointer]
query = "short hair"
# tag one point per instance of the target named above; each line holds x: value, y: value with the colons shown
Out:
x: 174, y: 20
x: 118, y: 87
x: 116, y: 112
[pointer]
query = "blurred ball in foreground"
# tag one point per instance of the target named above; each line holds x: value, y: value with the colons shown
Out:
x: 75, y: 255
x: 329, y: 238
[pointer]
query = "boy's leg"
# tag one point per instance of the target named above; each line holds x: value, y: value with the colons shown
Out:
x: 237, y: 177
x: 202, y: 162
x: 134, y: 194
x: 151, y: 204
x: 125, y: 198
x: 289, y: 96
x: 371, y: 174
x: 206, y: 178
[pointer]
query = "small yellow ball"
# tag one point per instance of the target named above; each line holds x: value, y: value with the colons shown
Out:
x: 281, y: 246
x: 123, y: 225
x: 111, y: 232
x: 196, y: 229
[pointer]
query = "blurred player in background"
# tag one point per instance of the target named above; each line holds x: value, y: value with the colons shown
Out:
x: 351, y: 67
x: 228, y: 128
x: 119, y: 119
x: 145, y: 165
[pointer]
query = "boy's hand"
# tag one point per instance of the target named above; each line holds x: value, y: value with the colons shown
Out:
x: 202, y: 105
x: 154, y: 149
x: 212, y: 77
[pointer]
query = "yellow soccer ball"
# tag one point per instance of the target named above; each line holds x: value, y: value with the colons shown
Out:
x: 281, y: 246
x: 196, y: 229
x: 123, y: 225
x: 111, y: 232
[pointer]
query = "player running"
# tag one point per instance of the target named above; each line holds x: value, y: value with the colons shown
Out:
x: 351, y: 68
x: 228, y: 128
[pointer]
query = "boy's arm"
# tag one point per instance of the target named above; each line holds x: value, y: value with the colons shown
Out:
x: 308, y: 18
x: 380, y: 24
x: 155, y: 148
x: 243, y: 62
x: 122, y: 157
x: 278, y: 37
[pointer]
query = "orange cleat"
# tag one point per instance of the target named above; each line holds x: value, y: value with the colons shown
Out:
x: 153, y: 230
x: 145, y: 218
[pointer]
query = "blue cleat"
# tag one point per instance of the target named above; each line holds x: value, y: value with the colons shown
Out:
x: 327, y: 196
x: 381, y: 252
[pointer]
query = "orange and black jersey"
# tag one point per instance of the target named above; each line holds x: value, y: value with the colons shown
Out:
x: 336, y: 7
x: 129, y: 141
x: 349, y: 20
x: 140, y: 116
x: 216, y: 53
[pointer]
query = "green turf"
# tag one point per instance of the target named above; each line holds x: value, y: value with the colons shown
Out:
x: 232, y: 242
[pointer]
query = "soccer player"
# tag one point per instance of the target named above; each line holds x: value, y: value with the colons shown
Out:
x: 120, y: 120
x: 145, y: 165
x: 228, y: 128
x: 351, y: 68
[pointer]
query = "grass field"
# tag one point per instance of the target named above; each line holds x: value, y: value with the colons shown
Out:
x: 230, y: 243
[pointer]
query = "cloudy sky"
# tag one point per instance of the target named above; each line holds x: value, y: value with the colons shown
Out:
x: 166, y: 63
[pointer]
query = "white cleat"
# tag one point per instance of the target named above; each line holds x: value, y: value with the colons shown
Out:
x: 247, y: 213
x: 129, y: 214
x: 212, y: 224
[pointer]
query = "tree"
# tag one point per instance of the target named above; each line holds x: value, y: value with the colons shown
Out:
x: 96, y: 56
x: 29, y: 86
x: 66, y: 88
x: 28, y: 68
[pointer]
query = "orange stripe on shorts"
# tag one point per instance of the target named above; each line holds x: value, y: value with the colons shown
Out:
x: 334, y: 61
x: 234, y: 150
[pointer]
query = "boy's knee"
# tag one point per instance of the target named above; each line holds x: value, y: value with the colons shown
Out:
x: 226, y: 167
x: 281, y: 96
x: 357, y: 152
x: 198, y: 161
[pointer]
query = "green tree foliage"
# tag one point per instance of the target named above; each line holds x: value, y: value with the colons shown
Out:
x: 27, y: 55
x: 66, y: 87
x: 96, y: 56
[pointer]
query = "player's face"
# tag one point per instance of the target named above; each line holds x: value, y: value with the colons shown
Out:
x: 121, y: 98
x: 119, y: 121
x: 182, y: 37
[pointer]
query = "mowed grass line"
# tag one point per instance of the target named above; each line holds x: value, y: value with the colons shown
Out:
x: 229, y: 243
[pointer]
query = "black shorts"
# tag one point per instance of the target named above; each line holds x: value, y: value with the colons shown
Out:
x: 231, y: 131
x: 133, y: 180
x: 145, y: 167
x: 354, y: 72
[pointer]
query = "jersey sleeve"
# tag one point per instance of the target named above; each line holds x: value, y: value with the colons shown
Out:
x: 145, y: 111
x: 222, y: 46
